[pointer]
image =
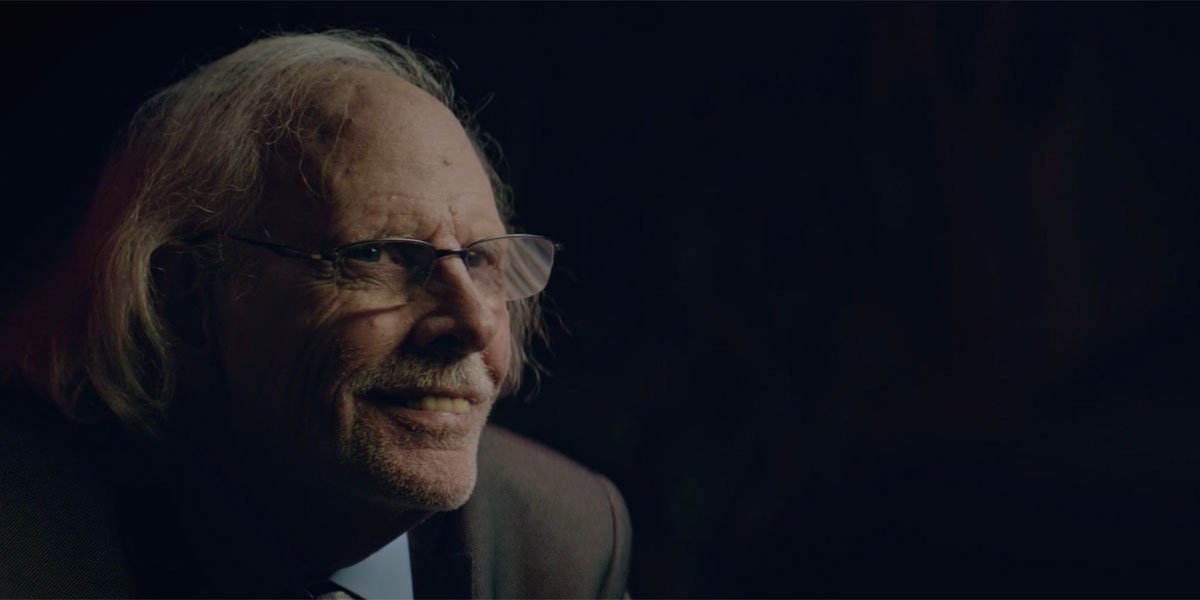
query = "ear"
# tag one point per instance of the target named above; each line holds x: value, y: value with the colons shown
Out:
x: 182, y: 294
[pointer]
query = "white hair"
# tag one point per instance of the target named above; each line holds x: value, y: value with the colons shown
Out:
x: 192, y: 161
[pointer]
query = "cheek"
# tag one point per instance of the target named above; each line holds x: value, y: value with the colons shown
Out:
x: 280, y: 362
x: 498, y: 355
x: 370, y: 336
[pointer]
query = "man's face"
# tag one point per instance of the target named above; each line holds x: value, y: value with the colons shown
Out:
x: 340, y: 382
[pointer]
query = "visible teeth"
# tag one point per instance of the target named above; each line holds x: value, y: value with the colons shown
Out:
x: 458, y: 406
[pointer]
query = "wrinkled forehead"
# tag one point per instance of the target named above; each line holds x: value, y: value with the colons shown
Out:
x: 359, y: 109
x: 366, y: 151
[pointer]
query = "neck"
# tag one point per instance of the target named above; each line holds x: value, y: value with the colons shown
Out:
x: 278, y: 527
x: 326, y: 528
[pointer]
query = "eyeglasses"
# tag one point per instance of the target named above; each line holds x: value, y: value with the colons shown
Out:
x: 506, y: 267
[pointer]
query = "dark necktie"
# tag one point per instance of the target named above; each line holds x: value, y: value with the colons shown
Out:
x: 328, y: 590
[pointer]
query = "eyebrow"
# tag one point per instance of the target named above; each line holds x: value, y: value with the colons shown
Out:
x: 367, y: 235
x: 390, y: 234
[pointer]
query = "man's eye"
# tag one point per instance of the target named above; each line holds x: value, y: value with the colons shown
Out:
x: 480, y: 257
x: 370, y: 253
x: 474, y: 259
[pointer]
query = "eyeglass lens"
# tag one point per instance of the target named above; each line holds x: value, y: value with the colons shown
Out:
x: 510, y: 268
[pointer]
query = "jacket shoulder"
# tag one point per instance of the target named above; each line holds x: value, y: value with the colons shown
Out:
x: 544, y: 525
x: 59, y: 533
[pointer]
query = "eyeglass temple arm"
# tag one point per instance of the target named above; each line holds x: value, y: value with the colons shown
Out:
x: 279, y: 249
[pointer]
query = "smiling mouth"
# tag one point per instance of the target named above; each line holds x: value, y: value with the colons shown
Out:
x: 457, y: 406
x: 424, y: 402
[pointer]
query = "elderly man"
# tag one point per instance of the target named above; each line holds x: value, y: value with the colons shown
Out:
x: 277, y: 339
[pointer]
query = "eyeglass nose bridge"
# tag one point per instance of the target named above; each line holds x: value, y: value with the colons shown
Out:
x: 438, y: 254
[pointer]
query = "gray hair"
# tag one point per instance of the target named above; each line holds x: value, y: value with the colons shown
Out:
x: 192, y: 161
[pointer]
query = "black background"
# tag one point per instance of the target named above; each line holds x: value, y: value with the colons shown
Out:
x: 886, y: 299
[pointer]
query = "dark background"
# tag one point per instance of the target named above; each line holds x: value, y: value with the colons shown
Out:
x: 886, y: 299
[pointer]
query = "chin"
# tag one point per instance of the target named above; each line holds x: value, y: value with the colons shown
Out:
x: 435, y: 483
x: 401, y: 473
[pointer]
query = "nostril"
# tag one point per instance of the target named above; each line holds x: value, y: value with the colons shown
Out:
x: 446, y: 348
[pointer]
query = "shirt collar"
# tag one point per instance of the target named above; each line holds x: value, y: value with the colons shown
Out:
x: 385, y: 574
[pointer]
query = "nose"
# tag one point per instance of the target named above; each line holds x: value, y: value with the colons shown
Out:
x: 460, y: 317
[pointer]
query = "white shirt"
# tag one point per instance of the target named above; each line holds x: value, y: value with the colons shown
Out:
x: 385, y: 575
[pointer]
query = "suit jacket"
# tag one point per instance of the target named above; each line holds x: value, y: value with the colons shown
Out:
x: 538, y: 525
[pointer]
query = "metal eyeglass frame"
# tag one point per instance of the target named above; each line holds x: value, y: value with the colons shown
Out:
x: 334, y: 256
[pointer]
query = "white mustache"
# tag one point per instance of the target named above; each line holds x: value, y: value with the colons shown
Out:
x: 467, y: 374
